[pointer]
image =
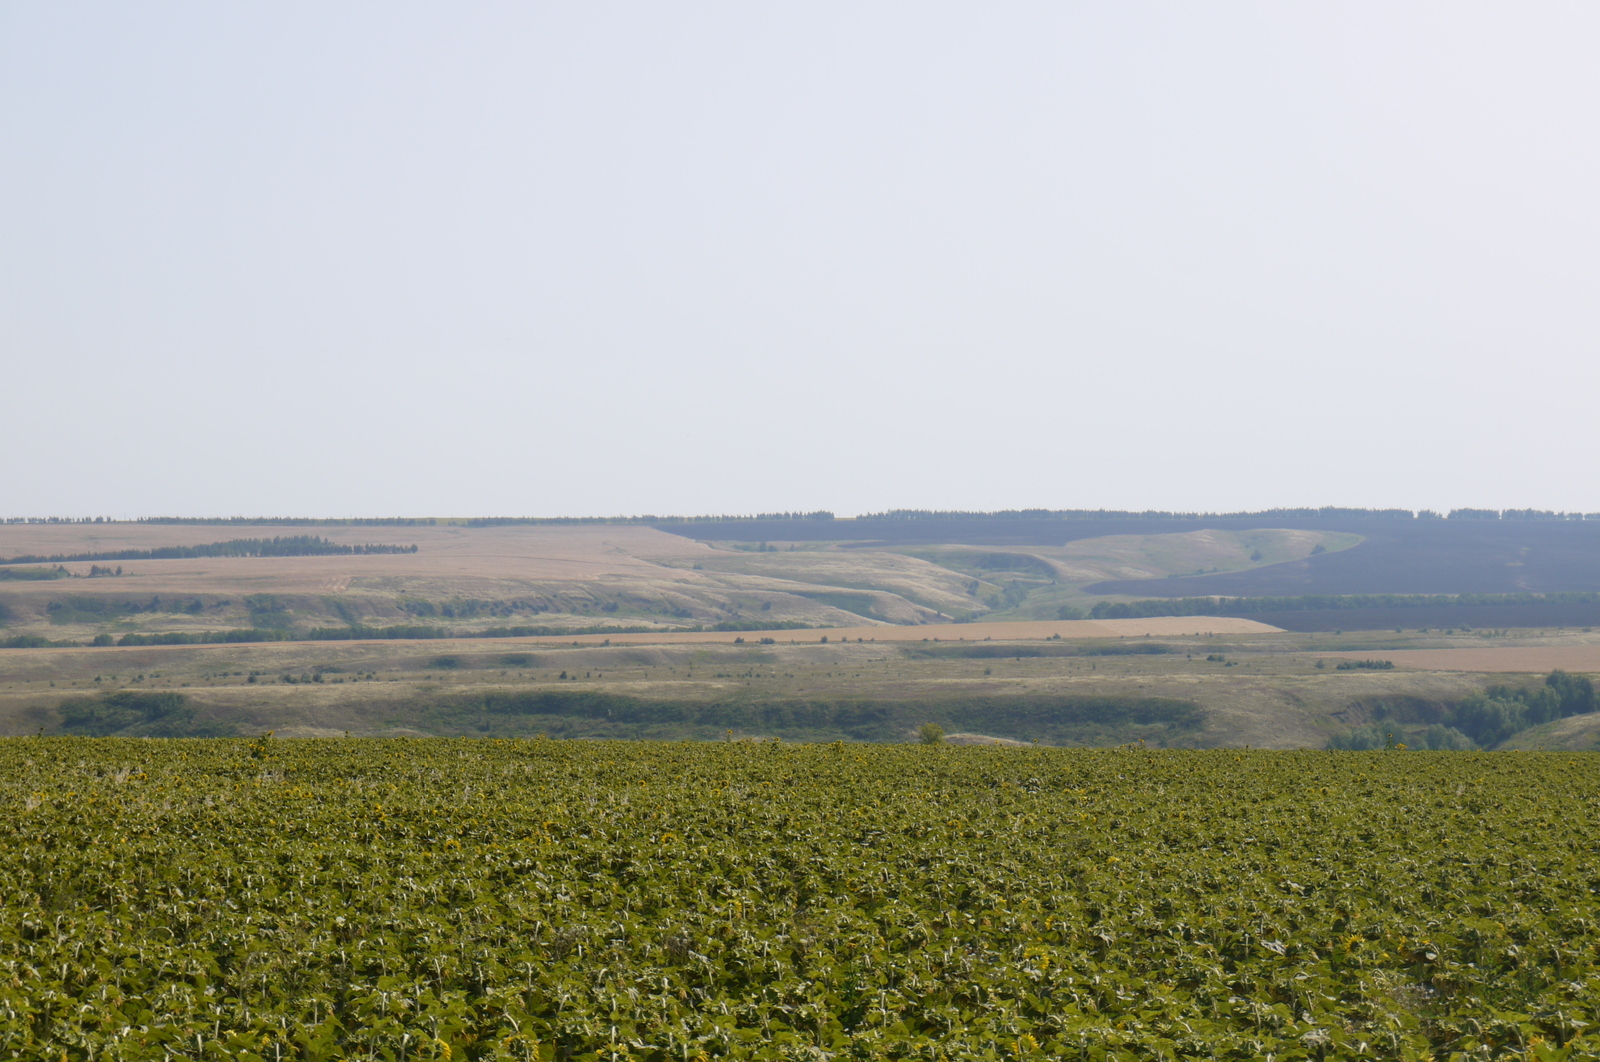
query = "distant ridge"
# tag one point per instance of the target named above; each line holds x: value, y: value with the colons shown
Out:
x: 292, y: 546
x: 1327, y: 512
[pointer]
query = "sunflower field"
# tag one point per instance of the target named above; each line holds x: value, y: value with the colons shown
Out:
x: 533, y: 899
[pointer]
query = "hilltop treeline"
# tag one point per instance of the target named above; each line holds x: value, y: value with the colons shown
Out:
x: 1241, y: 606
x: 288, y: 546
x: 415, y: 521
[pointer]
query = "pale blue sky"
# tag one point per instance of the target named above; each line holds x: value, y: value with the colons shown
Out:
x: 544, y: 259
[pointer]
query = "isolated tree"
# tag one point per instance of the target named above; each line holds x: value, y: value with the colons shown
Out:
x: 931, y: 734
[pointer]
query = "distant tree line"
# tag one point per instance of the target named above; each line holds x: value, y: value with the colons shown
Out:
x: 760, y: 625
x: 356, y: 633
x: 414, y: 521
x: 294, y: 521
x: 102, y: 609
x: 58, y: 572
x: 1237, y: 606
x: 1057, y: 719
x: 1518, y: 514
x: 290, y: 546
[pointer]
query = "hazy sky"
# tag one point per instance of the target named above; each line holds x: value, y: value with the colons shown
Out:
x: 548, y: 259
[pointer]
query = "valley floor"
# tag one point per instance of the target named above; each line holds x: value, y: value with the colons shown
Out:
x: 1264, y: 690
